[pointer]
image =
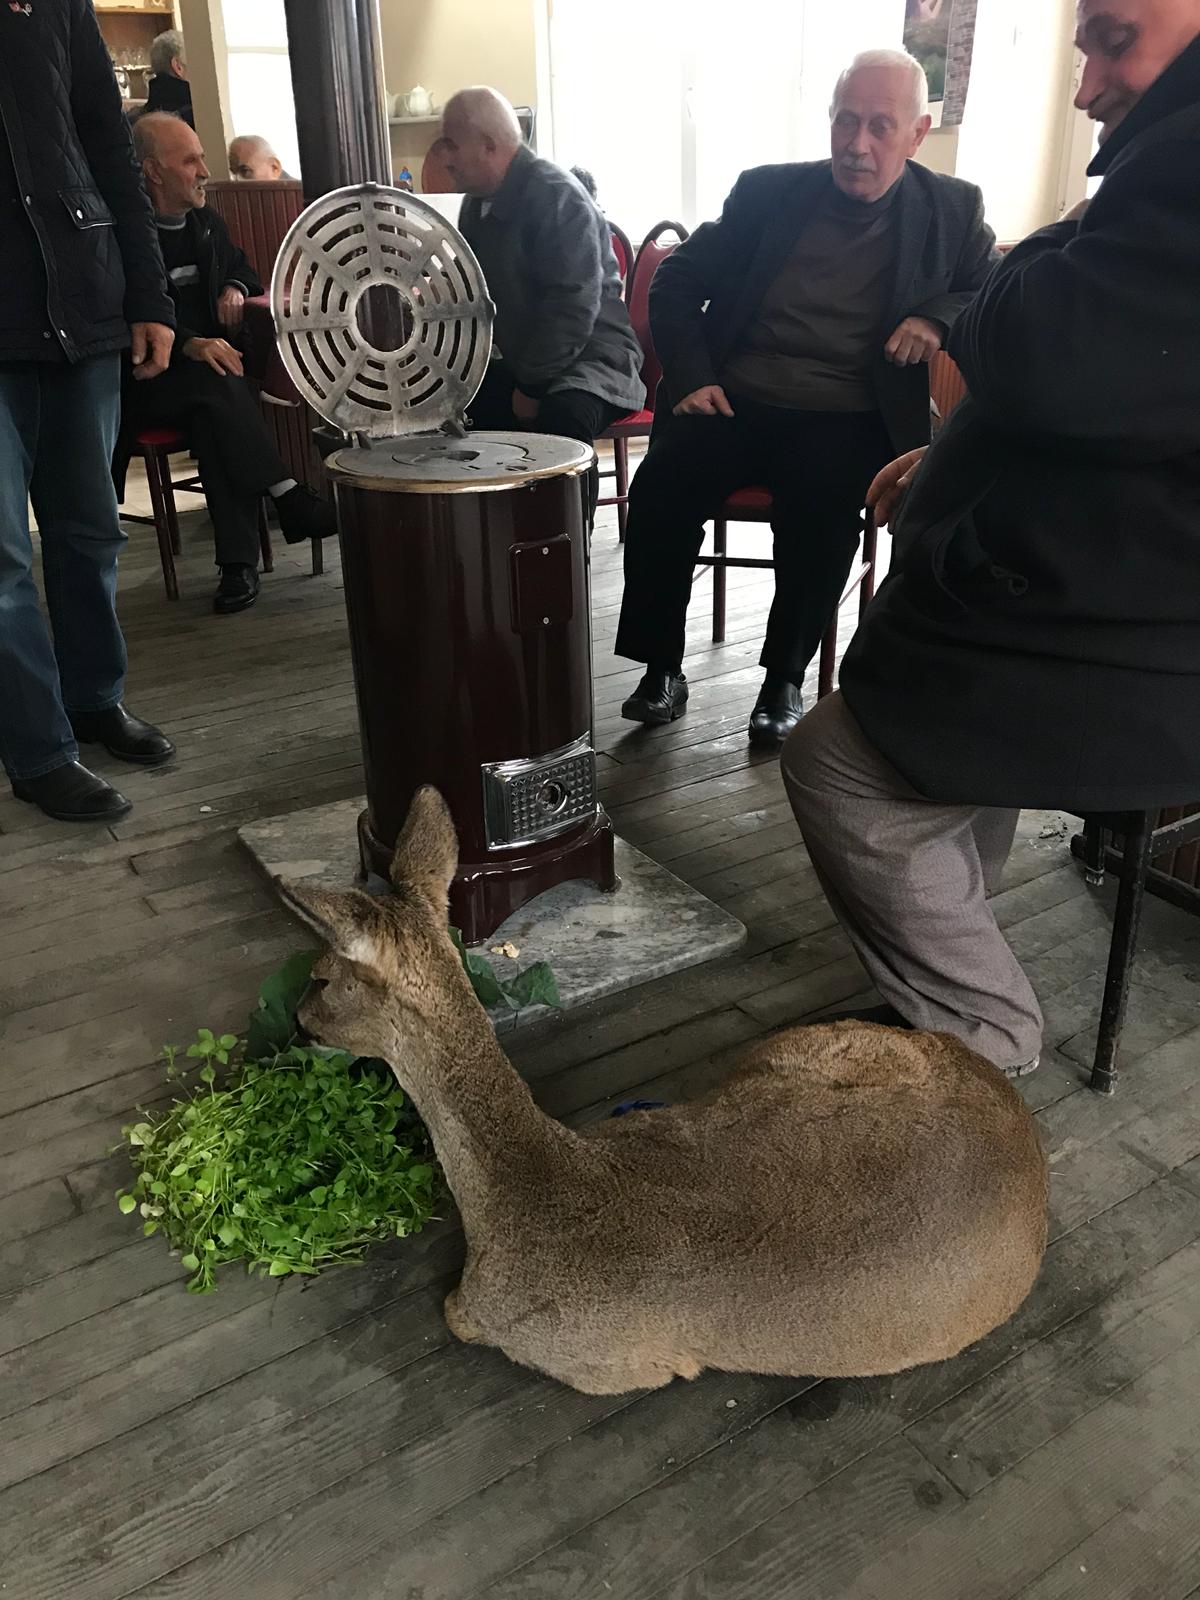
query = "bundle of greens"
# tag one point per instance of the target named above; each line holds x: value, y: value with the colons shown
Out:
x: 300, y: 1156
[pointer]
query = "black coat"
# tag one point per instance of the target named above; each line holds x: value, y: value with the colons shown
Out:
x: 944, y: 253
x: 221, y: 263
x: 1038, y: 640
x: 79, y: 256
x: 170, y: 94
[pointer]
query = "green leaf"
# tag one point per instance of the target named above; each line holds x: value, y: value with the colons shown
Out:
x: 273, y: 1023
x: 227, y: 1041
x: 228, y: 1233
x: 208, y: 1075
x: 190, y: 1262
x: 535, y: 986
x: 278, y: 1269
x: 127, y: 1203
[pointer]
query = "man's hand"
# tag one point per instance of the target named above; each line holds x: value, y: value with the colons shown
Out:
x: 914, y: 341
x: 231, y: 308
x: 221, y: 357
x: 707, y: 402
x: 151, y: 348
x: 525, y: 409
x: 891, y: 485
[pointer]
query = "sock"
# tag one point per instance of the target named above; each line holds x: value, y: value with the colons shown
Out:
x: 284, y: 486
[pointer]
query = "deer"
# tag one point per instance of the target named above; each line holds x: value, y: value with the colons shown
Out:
x: 853, y: 1200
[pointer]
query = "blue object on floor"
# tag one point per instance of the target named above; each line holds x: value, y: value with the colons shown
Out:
x: 636, y: 1105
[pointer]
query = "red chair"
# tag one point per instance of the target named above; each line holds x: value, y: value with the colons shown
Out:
x: 652, y: 252
x: 946, y: 389
x: 623, y: 251
x: 156, y: 446
x: 754, y: 505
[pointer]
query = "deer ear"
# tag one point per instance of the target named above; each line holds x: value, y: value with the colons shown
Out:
x: 343, y: 919
x: 427, y: 849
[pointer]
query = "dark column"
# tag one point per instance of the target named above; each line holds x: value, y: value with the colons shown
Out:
x: 337, y: 79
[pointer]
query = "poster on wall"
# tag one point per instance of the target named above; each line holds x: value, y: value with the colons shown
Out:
x: 940, y: 34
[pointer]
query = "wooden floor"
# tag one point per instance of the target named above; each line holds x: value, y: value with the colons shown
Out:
x: 333, y: 1443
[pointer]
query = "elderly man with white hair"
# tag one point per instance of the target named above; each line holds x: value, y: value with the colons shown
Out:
x: 566, y: 359
x: 795, y: 335
x: 169, y: 89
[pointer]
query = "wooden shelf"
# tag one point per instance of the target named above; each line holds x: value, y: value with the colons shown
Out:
x: 414, y: 122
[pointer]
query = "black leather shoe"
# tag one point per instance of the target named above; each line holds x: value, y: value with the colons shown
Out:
x: 124, y: 736
x: 659, y: 698
x: 304, y: 515
x: 778, y: 709
x: 72, y: 794
x: 237, y: 589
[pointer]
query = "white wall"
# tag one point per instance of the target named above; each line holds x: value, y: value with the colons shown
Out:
x: 1016, y: 122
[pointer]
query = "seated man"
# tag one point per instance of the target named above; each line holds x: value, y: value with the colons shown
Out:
x: 203, y: 392
x: 829, y: 285
x: 1037, y: 642
x: 251, y: 160
x: 566, y: 360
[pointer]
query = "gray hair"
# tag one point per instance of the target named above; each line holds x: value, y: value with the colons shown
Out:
x: 487, y: 112
x: 164, y: 49
x: 897, y: 60
x: 255, y: 144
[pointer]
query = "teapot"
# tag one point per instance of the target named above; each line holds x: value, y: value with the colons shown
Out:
x: 418, y: 102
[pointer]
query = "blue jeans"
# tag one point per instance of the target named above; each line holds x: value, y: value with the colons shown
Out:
x: 58, y: 426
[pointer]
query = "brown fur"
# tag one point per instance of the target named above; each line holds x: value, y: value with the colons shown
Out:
x: 852, y: 1200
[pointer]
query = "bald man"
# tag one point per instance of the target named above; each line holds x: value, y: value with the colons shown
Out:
x: 251, y: 160
x: 1037, y: 641
x: 566, y: 359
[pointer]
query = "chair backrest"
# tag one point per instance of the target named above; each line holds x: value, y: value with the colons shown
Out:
x: 623, y: 251
x: 652, y: 252
x: 258, y: 215
x: 947, y: 385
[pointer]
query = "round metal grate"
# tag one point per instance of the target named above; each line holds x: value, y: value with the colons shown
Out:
x: 381, y: 312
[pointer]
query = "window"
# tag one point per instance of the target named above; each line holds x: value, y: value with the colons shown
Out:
x: 260, y: 81
x: 668, y: 120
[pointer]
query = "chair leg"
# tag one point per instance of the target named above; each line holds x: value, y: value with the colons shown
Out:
x: 621, y: 473
x: 1135, y: 864
x: 168, y: 487
x: 318, y: 557
x: 720, y: 534
x: 828, y: 660
x: 162, y: 501
x: 264, y: 538
x: 870, y: 550
x: 1095, y: 852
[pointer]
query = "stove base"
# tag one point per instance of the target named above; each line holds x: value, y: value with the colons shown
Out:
x: 597, y: 942
x: 486, y: 893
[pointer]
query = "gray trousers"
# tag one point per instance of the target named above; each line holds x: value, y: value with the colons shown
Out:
x: 908, y: 879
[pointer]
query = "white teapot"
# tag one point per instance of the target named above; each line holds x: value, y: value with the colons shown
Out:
x: 418, y: 102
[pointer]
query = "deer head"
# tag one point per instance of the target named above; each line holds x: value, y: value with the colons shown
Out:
x: 389, y: 973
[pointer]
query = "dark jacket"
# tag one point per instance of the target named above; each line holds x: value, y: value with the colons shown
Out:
x: 546, y: 252
x: 168, y: 93
x: 221, y: 263
x: 944, y: 252
x: 79, y: 257
x: 1038, y: 640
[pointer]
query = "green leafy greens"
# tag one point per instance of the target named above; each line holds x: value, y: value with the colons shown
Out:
x: 302, y: 1155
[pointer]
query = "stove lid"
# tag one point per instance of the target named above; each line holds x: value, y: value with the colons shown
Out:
x: 437, y: 464
x: 381, y: 313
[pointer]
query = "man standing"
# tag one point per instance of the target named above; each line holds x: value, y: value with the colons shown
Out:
x: 567, y: 361
x: 169, y: 88
x: 1037, y: 641
x: 795, y: 336
x: 205, y: 393
x: 83, y: 280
